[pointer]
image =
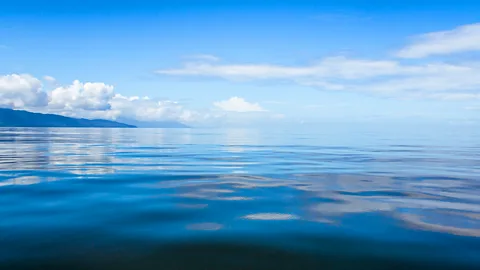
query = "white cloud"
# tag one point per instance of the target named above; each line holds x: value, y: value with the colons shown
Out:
x: 384, y: 77
x: 335, y: 67
x: 88, y: 100
x: 98, y: 100
x: 459, y: 79
x: 461, y: 39
x: 237, y: 104
x: 88, y: 96
x: 21, y: 90
x: 146, y: 109
x: 329, y: 68
x: 49, y: 79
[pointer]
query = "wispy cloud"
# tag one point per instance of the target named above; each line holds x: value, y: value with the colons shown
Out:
x: 50, y: 79
x: 392, y: 77
x: 465, y: 38
x: 384, y: 77
x: 332, y: 67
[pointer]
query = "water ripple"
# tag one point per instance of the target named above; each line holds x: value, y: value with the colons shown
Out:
x: 154, y: 196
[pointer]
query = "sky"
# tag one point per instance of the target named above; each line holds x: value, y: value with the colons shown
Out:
x: 237, y: 63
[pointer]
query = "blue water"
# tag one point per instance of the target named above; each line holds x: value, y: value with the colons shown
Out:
x: 336, y: 197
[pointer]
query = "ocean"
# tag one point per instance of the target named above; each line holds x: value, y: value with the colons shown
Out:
x: 329, y: 197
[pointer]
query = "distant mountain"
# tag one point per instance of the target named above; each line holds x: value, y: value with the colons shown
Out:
x: 153, y: 124
x: 17, y: 118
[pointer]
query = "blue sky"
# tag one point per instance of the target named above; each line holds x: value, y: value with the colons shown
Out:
x: 237, y: 62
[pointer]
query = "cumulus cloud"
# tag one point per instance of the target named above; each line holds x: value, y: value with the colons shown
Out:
x: 146, y: 109
x: 237, y: 104
x: 88, y: 100
x: 88, y: 96
x: 20, y: 91
x: 98, y: 100
x: 461, y: 39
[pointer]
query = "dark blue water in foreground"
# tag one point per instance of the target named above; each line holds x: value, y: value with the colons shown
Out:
x: 336, y: 198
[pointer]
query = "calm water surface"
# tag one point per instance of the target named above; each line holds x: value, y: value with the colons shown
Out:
x: 335, y: 198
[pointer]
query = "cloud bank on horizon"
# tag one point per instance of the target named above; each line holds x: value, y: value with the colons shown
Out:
x: 415, y: 71
x: 99, y: 100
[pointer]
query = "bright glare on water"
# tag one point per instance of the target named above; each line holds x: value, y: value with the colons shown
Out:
x: 334, y: 198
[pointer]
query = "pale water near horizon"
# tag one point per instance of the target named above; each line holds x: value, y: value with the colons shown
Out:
x: 334, y: 198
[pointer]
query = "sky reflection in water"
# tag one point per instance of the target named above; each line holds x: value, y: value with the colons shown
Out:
x: 289, y: 190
